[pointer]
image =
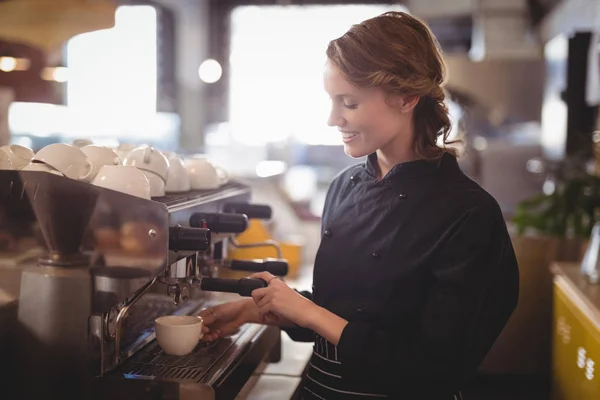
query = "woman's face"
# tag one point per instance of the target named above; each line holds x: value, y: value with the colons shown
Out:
x: 365, y: 120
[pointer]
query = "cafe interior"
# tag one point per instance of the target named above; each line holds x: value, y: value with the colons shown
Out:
x: 155, y: 153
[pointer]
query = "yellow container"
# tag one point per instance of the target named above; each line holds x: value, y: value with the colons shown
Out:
x: 291, y: 252
x: 257, y: 233
x: 575, y: 349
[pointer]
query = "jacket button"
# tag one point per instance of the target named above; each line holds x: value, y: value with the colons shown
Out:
x: 375, y: 255
x: 327, y: 233
x: 402, y: 196
x: 359, y: 309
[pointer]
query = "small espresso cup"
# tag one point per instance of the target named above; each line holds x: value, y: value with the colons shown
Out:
x: 100, y: 156
x: 157, y: 184
x: 123, y: 179
x: 178, y: 335
x: 19, y: 156
x: 203, y: 174
x: 178, y: 179
x: 67, y: 159
x: 82, y: 142
x: 148, y: 159
x: 223, y: 175
x: 124, y: 148
x: 5, y: 162
x: 41, y: 167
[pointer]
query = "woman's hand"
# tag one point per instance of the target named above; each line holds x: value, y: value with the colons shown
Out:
x: 226, y: 319
x: 279, y: 302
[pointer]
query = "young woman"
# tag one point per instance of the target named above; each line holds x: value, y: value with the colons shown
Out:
x: 415, y: 276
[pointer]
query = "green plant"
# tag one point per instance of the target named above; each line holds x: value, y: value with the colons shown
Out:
x: 570, y: 210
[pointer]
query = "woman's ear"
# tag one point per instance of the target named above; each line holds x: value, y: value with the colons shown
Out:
x: 409, y: 103
x: 404, y: 104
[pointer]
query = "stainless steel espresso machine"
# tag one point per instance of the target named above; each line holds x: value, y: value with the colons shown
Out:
x: 96, y: 267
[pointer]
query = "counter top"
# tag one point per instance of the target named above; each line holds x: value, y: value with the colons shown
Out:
x: 585, y: 295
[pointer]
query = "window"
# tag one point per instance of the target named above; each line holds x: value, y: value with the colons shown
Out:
x: 111, y: 89
x: 114, y: 71
x: 277, y: 58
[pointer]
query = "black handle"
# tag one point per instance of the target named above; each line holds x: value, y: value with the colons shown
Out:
x: 271, y: 265
x: 256, y: 211
x: 188, y: 239
x: 243, y: 287
x: 220, y: 222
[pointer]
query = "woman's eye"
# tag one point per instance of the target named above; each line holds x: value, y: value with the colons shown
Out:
x: 351, y: 106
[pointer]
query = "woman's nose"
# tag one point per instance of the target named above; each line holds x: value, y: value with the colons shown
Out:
x: 335, y: 119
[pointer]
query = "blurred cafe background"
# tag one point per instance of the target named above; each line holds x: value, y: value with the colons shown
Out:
x: 239, y: 83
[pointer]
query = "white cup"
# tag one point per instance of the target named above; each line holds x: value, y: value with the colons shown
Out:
x: 178, y: 179
x: 82, y: 142
x: 5, y: 162
x: 148, y: 159
x: 203, y: 175
x: 157, y: 184
x: 222, y: 175
x: 20, y: 156
x: 124, y: 148
x: 100, y: 156
x: 38, y: 166
x: 178, y: 335
x: 69, y: 160
x: 124, y: 179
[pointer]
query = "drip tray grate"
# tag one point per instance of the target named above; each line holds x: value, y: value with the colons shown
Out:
x: 157, y: 371
x: 153, y: 363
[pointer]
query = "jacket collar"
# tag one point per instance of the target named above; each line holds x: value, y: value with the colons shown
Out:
x: 446, y: 163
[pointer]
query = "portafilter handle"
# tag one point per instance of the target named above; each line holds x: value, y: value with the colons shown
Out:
x: 220, y: 222
x: 275, y: 266
x: 253, y: 211
x: 189, y: 239
x: 243, y: 287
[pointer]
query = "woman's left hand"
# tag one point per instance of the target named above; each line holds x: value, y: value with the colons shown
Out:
x: 281, y: 300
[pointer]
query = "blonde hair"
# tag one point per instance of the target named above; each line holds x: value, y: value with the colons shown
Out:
x: 399, y: 54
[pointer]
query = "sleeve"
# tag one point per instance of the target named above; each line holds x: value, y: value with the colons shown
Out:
x: 474, y: 291
x: 299, y: 334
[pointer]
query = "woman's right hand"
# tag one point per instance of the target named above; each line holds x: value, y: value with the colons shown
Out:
x: 226, y: 319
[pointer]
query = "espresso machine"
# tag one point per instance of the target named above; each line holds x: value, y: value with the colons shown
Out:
x: 106, y: 264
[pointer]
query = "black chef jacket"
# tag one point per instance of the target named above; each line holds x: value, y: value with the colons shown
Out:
x: 421, y: 266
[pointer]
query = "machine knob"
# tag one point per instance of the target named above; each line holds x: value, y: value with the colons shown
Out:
x: 253, y: 211
x: 220, y: 222
x: 189, y: 239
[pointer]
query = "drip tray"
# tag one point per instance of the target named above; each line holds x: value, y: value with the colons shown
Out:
x: 152, y: 363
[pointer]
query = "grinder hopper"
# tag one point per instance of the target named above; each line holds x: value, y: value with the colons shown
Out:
x: 62, y: 208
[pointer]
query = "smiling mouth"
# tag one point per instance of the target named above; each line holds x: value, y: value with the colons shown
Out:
x: 349, y: 135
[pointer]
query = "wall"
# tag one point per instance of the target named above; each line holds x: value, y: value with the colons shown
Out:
x: 191, y: 35
x: 6, y: 97
x: 512, y: 87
